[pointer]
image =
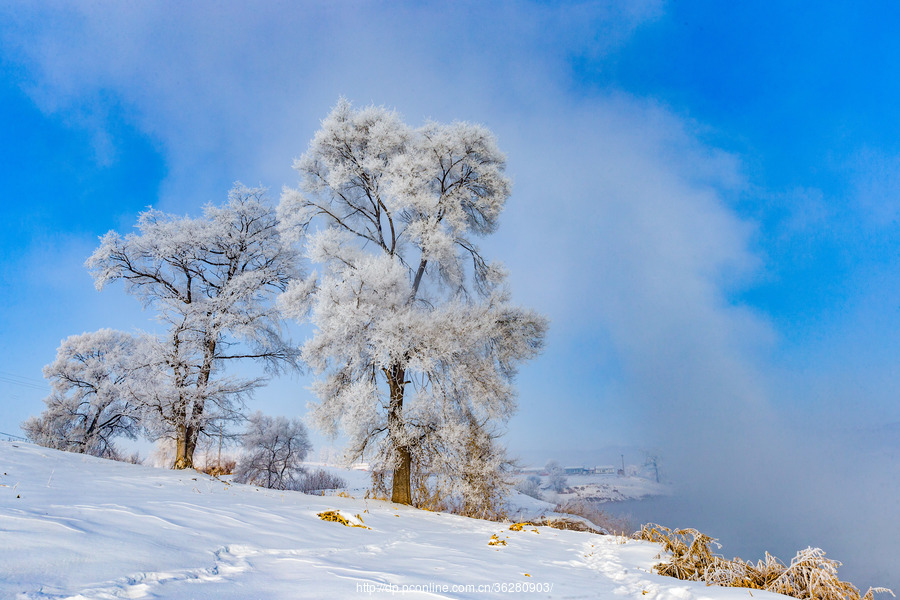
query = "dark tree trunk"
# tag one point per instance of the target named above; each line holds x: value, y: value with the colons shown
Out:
x: 189, y: 431
x: 187, y: 434
x: 184, y: 448
x: 185, y: 444
x: 184, y: 458
x: 401, y: 491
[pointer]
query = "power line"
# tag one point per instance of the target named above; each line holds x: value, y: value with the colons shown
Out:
x: 33, y: 386
x: 22, y: 377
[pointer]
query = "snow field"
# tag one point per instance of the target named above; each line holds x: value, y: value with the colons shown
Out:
x: 78, y: 527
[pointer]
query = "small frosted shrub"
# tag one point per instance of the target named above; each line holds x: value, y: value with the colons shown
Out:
x: 274, y: 451
x: 319, y: 481
x: 530, y: 486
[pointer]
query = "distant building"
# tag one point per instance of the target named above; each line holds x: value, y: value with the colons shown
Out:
x: 598, y: 470
x: 533, y: 471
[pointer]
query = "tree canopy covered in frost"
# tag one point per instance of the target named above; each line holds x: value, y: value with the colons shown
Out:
x: 557, y: 481
x: 416, y: 341
x: 211, y: 281
x: 274, y: 451
x: 96, y: 379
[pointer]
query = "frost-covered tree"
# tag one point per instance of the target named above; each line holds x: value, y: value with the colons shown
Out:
x: 274, y: 451
x: 318, y: 481
x: 557, y: 477
x: 95, y: 382
x: 652, y: 460
x: 471, y: 471
x: 211, y: 281
x: 530, y: 486
x: 415, y: 334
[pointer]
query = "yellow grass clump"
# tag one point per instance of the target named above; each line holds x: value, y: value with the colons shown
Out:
x: 218, y: 469
x: 809, y: 576
x: 336, y: 517
x: 569, y: 524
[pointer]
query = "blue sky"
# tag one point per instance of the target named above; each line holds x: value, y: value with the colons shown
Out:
x: 803, y: 96
x: 783, y: 117
x: 705, y: 200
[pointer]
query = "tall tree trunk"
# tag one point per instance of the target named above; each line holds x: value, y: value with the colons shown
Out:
x: 189, y: 429
x: 183, y: 459
x: 179, y: 416
x: 401, y: 491
x: 185, y: 444
x: 183, y: 456
x: 187, y: 434
x: 190, y: 444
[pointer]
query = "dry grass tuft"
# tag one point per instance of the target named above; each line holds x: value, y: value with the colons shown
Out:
x: 336, y: 517
x: 810, y: 574
x: 568, y: 524
x: 607, y: 522
x: 216, y: 469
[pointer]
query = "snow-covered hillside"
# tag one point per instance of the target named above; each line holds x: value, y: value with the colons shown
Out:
x: 73, y: 526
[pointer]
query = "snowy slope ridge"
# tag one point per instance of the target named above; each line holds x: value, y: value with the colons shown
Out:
x: 73, y: 526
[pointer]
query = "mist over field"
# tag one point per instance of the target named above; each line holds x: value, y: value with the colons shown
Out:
x: 840, y: 498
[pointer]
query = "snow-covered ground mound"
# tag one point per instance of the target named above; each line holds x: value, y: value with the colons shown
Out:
x: 78, y: 527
